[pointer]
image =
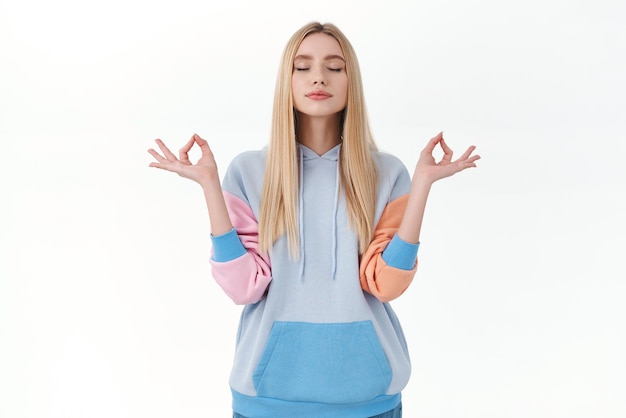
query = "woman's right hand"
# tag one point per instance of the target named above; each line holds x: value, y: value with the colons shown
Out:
x: 204, y: 171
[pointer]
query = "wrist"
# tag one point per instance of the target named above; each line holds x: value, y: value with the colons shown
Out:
x: 210, y: 184
x: 421, y: 183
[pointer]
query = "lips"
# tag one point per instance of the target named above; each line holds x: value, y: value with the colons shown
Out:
x: 318, y: 95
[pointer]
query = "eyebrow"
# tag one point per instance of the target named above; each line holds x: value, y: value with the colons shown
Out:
x: 326, y: 58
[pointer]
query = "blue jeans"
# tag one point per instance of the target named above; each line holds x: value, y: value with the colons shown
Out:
x: 394, y: 413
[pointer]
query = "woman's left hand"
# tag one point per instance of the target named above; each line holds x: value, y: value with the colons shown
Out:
x: 430, y: 170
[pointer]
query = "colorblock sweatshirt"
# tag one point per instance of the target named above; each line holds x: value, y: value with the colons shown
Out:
x: 317, y: 337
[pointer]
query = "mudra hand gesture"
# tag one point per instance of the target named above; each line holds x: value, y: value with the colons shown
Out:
x: 429, y: 170
x: 202, y: 172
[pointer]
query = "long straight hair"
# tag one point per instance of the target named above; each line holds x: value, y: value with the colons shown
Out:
x: 358, y: 171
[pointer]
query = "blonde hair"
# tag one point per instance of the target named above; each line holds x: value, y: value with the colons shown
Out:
x: 358, y: 172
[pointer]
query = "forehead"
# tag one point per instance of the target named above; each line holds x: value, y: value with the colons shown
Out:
x: 319, y: 45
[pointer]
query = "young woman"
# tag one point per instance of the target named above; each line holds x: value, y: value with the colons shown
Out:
x: 314, y: 235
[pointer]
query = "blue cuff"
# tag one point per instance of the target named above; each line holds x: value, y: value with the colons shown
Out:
x: 400, y: 254
x: 227, y: 247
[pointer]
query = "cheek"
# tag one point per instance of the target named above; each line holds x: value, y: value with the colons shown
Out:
x: 296, y: 92
x: 296, y: 86
x: 344, y: 89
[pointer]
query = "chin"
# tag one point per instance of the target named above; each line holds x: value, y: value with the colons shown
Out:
x: 319, y: 113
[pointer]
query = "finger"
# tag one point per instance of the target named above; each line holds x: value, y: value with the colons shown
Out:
x: 473, y: 158
x: 156, y: 155
x: 159, y: 165
x: 447, y: 151
x: 467, y: 153
x: 166, y: 151
x: 469, y: 163
x: 167, y: 165
x: 203, y: 144
x: 430, y: 146
x: 183, y: 153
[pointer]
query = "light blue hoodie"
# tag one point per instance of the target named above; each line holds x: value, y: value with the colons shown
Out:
x: 317, y: 337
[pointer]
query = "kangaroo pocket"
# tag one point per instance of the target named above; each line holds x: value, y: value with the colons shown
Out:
x: 329, y: 363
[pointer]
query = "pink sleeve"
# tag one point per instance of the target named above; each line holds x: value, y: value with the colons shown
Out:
x: 245, y: 278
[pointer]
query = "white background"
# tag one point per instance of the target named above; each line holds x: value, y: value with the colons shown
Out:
x: 107, y: 306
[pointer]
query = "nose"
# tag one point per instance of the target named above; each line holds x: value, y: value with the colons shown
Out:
x: 318, y: 78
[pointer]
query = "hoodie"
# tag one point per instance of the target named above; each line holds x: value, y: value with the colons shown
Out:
x: 317, y: 337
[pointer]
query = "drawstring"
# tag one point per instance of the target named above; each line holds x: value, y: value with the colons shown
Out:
x: 301, y: 214
x: 334, y: 230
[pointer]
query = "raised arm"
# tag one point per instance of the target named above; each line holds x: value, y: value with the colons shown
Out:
x: 427, y: 171
x: 238, y: 267
x: 389, y: 263
x: 204, y: 172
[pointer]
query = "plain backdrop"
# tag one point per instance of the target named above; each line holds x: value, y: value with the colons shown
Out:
x: 107, y: 305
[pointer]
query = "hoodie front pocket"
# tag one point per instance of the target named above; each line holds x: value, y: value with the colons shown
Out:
x: 329, y: 363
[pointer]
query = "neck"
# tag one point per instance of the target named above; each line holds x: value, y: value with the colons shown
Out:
x: 320, y: 134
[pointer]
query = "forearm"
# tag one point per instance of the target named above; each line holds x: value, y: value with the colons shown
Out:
x: 218, y: 214
x: 388, y: 265
x: 238, y: 266
x: 411, y: 224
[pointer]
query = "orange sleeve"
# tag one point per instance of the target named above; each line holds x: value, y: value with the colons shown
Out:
x: 377, y: 278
